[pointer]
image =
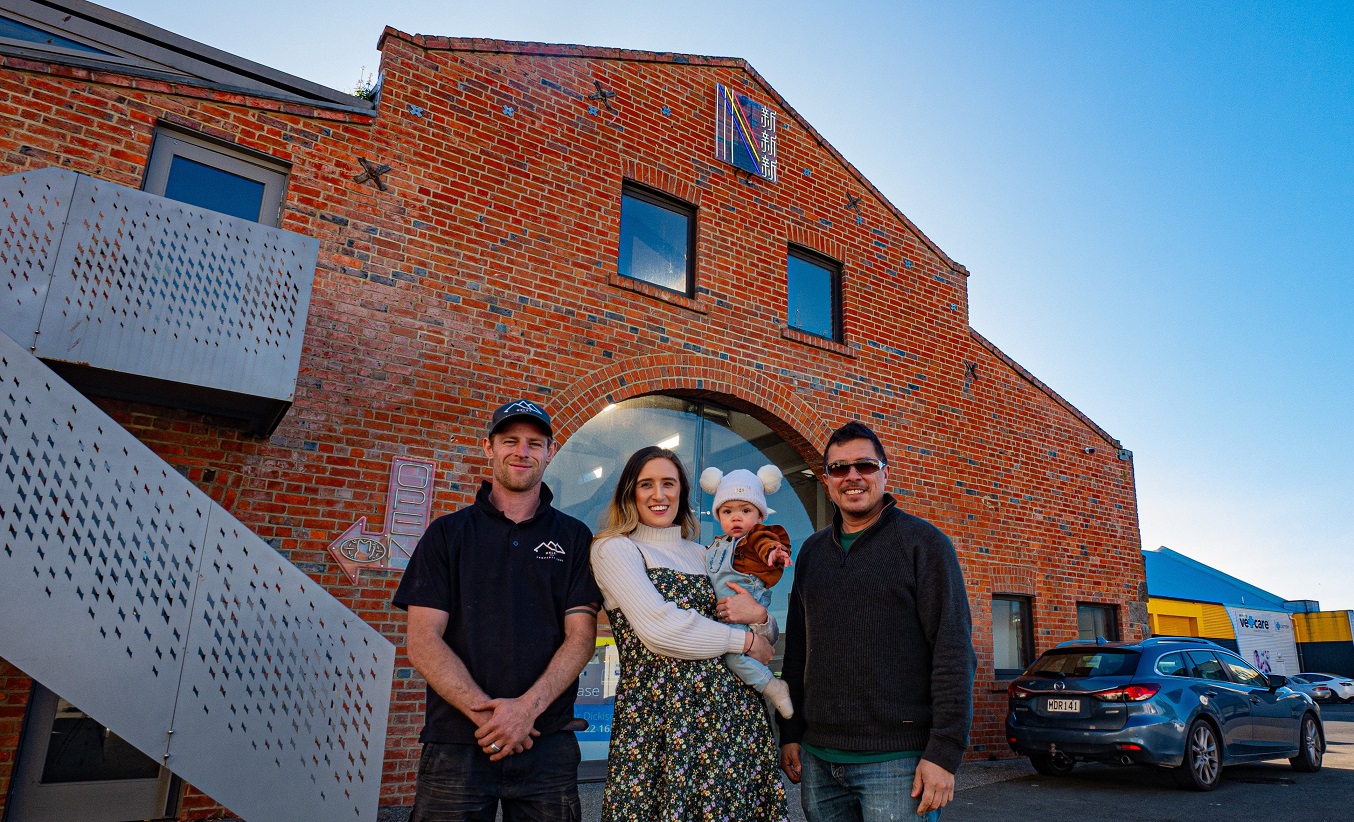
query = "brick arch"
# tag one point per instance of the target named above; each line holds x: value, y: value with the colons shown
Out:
x: 745, y: 389
x: 1014, y: 579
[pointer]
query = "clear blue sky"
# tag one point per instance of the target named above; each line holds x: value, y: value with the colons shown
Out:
x: 1154, y: 199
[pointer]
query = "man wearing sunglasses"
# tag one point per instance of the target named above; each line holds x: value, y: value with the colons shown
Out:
x: 878, y: 652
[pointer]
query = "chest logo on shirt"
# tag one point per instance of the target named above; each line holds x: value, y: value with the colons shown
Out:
x: 550, y: 550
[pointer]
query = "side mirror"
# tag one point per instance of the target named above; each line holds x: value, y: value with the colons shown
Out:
x: 1277, y: 681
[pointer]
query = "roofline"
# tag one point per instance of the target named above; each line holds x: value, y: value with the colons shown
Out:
x: 535, y: 49
x: 1214, y: 572
x: 1042, y: 386
x: 182, y: 54
x: 94, y: 71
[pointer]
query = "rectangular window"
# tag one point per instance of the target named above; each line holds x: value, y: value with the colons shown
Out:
x: 658, y: 240
x: 215, y: 177
x: 814, y: 285
x: 1094, y: 621
x: 1203, y: 665
x: 1012, y: 635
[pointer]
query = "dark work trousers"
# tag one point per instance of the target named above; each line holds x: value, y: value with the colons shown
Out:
x: 458, y: 783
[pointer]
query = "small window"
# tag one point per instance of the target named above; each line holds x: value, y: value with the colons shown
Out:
x: 216, y: 178
x: 1012, y: 635
x: 1172, y: 665
x: 1244, y: 673
x: 1203, y: 665
x: 658, y: 240
x: 814, y: 285
x: 1094, y: 621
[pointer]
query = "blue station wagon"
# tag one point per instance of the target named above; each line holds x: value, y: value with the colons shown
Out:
x: 1174, y: 702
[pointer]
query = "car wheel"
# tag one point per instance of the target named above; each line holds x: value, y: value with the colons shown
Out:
x: 1202, y: 768
x: 1052, y: 765
x: 1310, y: 747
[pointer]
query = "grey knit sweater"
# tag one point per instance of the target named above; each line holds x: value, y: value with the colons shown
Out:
x: 879, y: 646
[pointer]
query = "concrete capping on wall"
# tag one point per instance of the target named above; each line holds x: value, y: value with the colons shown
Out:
x: 532, y: 49
x: 1042, y: 386
x: 160, y: 54
x: 156, y: 83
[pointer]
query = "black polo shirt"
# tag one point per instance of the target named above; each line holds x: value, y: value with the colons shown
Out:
x: 506, y: 586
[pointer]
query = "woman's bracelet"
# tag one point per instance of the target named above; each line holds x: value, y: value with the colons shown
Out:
x: 747, y: 643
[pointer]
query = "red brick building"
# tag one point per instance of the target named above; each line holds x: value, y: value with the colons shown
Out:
x: 490, y: 262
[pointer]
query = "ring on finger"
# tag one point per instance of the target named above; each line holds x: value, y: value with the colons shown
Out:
x: 495, y: 747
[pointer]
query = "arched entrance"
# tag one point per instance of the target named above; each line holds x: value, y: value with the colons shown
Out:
x: 702, y: 433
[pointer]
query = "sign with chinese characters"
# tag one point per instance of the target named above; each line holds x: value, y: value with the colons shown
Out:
x: 745, y: 133
x: 409, y: 502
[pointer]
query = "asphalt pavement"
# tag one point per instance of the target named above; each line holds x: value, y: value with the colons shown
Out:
x: 1104, y: 793
x: 1010, y: 789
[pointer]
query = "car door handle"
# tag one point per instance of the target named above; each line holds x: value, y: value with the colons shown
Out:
x: 1210, y: 694
x: 1255, y: 700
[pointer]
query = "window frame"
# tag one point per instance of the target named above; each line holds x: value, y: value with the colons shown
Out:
x: 1184, y: 669
x: 1231, y: 661
x: 272, y: 174
x: 1027, y: 635
x: 1112, y: 620
x: 834, y: 269
x: 667, y: 202
x: 1195, y: 664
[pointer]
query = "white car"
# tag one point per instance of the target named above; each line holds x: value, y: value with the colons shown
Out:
x: 1342, y: 687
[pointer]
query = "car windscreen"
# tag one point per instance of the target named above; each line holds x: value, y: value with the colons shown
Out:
x: 1077, y: 662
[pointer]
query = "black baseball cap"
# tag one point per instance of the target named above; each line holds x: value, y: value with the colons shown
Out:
x: 518, y: 409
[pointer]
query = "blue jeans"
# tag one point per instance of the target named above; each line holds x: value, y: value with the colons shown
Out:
x: 719, y: 566
x: 458, y: 783
x: 872, y: 792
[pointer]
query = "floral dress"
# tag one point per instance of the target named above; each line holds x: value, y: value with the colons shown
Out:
x: 689, y: 742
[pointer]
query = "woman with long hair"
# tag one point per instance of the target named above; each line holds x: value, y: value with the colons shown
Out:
x: 690, y: 741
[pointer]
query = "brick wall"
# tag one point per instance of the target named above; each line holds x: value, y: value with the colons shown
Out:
x: 14, y: 692
x: 487, y: 270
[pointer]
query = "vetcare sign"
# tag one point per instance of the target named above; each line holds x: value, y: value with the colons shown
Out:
x: 1265, y: 639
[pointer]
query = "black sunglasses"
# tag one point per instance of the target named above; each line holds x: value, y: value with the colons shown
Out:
x: 866, y: 468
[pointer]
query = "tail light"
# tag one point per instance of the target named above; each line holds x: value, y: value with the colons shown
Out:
x: 1016, y: 692
x: 1129, y: 693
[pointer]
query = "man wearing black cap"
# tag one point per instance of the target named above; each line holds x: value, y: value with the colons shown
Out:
x: 502, y: 618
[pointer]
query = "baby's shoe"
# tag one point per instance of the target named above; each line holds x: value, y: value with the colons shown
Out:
x: 779, y: 694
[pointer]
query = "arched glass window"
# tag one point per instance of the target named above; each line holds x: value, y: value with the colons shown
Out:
x: 583, y: 478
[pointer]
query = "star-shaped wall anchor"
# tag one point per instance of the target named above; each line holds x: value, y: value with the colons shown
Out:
x: 372, y: 173
x: 604, y: 97
x: 852, y: 202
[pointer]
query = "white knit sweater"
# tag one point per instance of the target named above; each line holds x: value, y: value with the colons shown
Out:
x: 619, y: 564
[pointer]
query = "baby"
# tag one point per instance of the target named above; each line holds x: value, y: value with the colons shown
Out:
x: 751, y: 555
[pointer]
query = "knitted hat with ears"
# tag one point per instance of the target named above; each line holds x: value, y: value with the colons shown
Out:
x: 742, y: 485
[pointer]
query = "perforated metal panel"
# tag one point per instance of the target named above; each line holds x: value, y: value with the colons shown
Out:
x: 128, y: 591
x: 33, y: 208
x: 141, y: 284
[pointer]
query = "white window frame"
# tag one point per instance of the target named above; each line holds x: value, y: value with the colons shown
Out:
x: 169, y: 145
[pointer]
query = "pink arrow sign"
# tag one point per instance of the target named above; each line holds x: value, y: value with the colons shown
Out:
x: 409, y: 504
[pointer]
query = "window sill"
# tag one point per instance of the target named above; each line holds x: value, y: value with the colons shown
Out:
x: 658, y: 293
x: 817, y: 342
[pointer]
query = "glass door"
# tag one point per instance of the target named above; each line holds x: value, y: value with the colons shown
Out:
x: 583, y: 477
x: 72, y: 769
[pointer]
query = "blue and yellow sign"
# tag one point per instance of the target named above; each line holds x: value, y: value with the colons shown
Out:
x: 745, y: 133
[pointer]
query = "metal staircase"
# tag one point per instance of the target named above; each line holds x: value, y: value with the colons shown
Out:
x: 122, y: 586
